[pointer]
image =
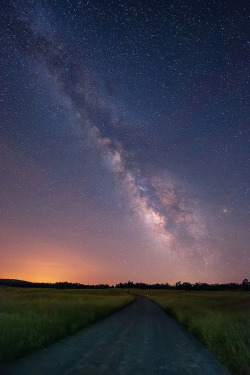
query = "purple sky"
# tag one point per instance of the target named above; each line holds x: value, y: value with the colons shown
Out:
x: 124, y: 141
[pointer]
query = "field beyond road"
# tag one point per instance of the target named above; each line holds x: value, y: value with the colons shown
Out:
x: 32, y: 319
x: 221, y: 320
x: 140, y: 339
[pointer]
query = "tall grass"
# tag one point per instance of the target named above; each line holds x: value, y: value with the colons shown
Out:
x: 221, y: 320
x: 34, y: 318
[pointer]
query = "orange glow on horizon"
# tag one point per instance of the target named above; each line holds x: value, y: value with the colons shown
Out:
x: 39, y: 261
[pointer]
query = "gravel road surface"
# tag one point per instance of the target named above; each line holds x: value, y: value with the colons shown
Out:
x: 138, y: 340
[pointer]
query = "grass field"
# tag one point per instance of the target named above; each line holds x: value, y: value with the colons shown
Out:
x: 31, y: 319
x: 221, y: 320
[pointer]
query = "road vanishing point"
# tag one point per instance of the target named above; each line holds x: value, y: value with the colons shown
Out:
x: 140, y: 339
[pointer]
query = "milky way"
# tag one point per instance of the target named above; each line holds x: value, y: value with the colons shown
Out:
x: 124, y: 141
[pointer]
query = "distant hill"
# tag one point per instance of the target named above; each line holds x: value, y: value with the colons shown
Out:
x: 59, y: 285
x: 14, y: 282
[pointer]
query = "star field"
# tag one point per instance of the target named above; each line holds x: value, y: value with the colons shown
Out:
x: 124, y: 141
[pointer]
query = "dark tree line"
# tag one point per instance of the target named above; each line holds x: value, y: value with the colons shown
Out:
x: 59, y: 285
x: 245, y: 285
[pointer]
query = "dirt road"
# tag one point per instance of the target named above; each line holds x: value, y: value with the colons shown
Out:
x: 138, y: 340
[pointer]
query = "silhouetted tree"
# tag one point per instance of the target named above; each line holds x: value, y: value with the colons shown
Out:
x: 245, y: 285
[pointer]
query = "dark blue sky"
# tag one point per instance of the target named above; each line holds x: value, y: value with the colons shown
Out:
x: 124, y: 140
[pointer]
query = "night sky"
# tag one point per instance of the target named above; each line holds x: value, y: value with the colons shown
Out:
x: 124, y: 141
